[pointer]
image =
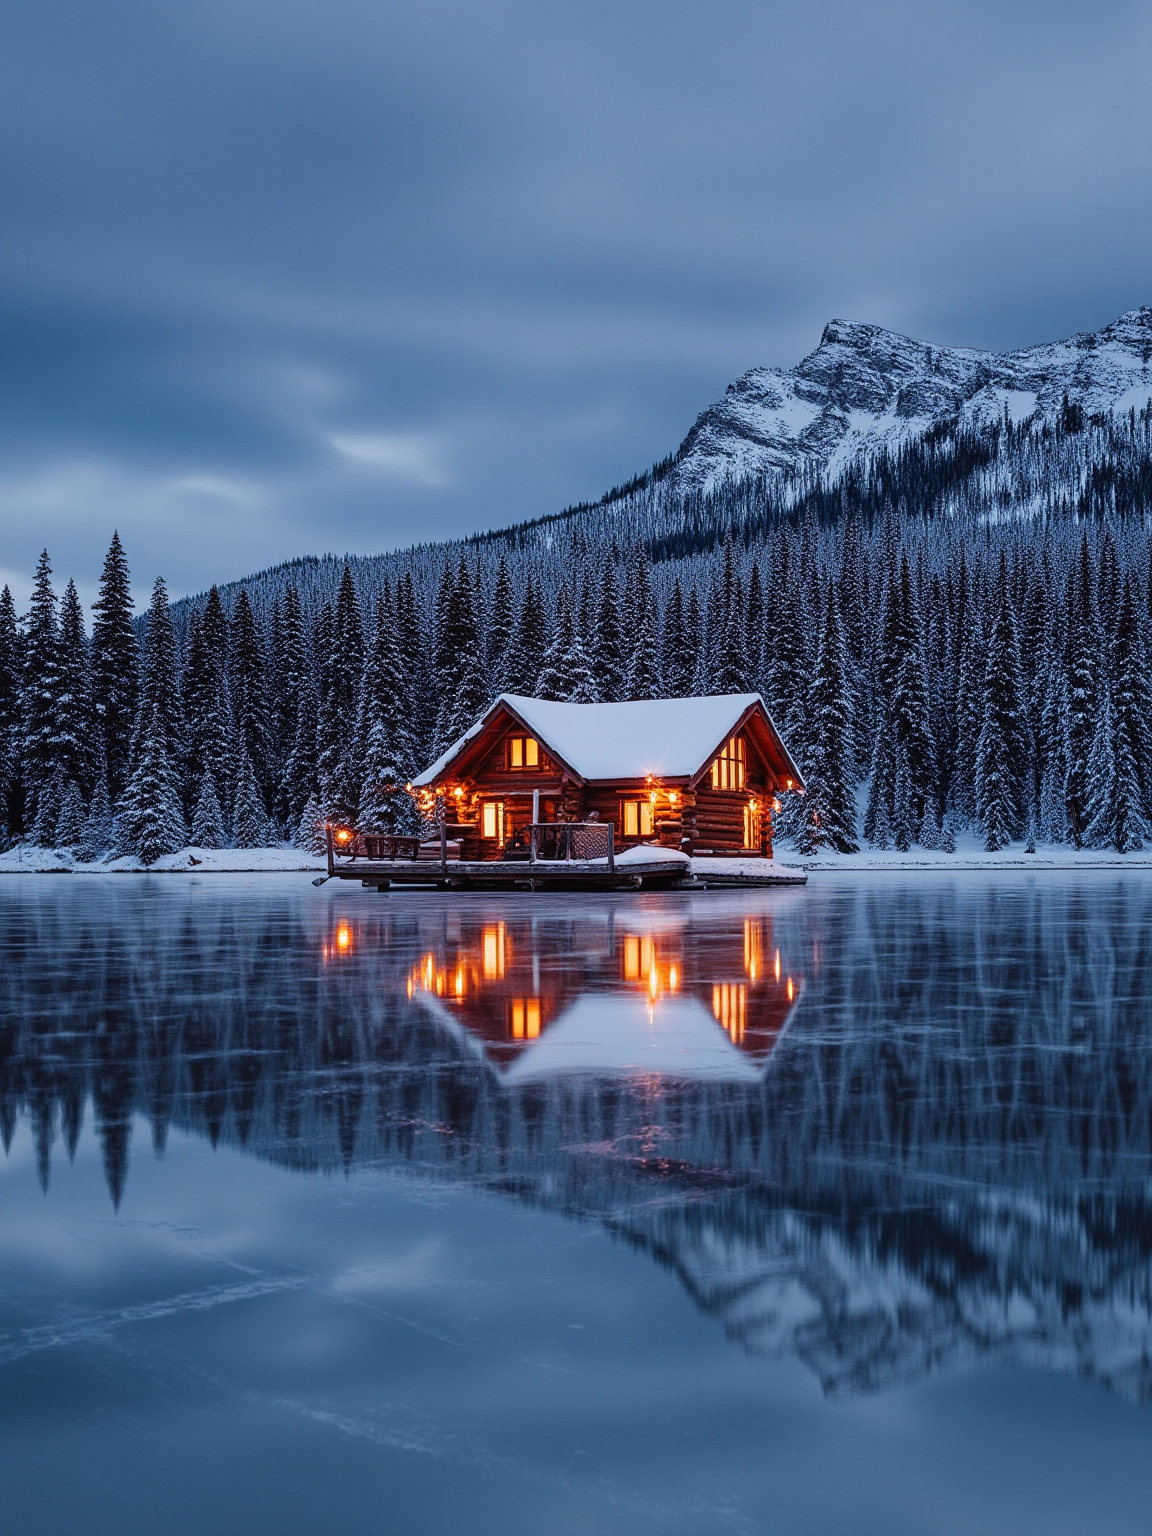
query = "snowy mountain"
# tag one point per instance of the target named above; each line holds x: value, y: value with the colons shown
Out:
x: 865, y: 388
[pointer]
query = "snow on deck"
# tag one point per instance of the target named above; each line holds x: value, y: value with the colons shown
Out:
x: 668, y: 738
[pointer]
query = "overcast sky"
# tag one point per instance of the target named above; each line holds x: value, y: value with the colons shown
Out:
x: 291, y: 276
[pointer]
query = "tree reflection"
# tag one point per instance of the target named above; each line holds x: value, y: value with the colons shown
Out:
x: 886, y: 1130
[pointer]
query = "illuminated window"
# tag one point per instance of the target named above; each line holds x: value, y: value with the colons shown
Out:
x: 639, y: 957
x: 637, y: 818
x: 524, y: 1018
x: 753, y: 949
x: 493, y: 950
x: 523, y: 752
x: 730, y: 1008
x: 492, y: 819
x: 752, y: 825
x: 729, y: 770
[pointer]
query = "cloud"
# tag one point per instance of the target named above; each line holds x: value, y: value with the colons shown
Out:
x: 542, y: 238
x: 408, y: 456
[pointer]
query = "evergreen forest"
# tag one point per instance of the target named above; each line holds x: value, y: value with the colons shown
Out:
x: 956, y: 636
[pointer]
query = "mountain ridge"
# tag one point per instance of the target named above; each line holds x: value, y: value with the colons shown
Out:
x: 865, y: 388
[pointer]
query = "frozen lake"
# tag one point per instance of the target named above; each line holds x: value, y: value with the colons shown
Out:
x: 812, y: 1211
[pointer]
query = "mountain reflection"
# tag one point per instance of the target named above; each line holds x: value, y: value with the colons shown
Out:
x: 886, y: 1128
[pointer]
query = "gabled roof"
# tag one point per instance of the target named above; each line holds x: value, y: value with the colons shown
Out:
x: 667, y: 738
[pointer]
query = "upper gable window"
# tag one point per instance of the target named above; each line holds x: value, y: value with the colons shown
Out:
x: 523, y: 752
x: 729, y: 770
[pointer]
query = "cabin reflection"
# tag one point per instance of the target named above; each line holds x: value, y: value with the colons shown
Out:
x: 645, y: 991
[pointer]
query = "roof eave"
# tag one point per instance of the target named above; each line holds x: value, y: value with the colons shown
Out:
x: 428, y: 778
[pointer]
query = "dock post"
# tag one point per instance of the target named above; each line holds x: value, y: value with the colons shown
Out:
x: 331, y: 850
x: 611, y: 848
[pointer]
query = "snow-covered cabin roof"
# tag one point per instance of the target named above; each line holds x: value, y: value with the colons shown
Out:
x: 667, y: 738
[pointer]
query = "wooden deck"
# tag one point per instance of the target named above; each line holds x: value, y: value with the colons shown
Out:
x: 544, y: 875
x: 381, y: 861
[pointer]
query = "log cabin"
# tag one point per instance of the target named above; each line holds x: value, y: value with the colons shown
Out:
x: 698, y: 775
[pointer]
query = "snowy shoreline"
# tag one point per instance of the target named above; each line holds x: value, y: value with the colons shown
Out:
x: 28, y: 860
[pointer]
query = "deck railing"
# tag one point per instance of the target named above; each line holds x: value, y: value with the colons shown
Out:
x: 548, y: 842
x: 567, y: 841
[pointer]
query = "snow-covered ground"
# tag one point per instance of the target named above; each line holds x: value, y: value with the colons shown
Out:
x: 969, y: 855
x: 193, y: 861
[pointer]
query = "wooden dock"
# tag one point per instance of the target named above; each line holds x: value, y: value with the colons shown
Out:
x: 490, y: 875
x: 380, y: 863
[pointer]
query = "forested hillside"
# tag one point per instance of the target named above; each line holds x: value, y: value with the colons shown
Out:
x: 964, y: 622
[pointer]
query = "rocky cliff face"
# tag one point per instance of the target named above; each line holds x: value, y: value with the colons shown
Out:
x: 865, y: 388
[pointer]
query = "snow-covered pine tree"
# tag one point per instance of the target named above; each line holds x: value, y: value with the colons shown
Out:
x: 754, y: 629
x: 49, y: 804
x: 677, y: 660
x: 149, y: 818
x: 931, y: 833
x: 293, y: 675
x: 76, y: 717
x: 250, y: 826
x: 905, y: 818
x: 207, y: 830
x: 829, y: 815
x: 40, y: 706
x: 1003, y: 750
x: 298, y: 782
x: 878, y: 810
x: 908, y: 697
x: 11, y: 672
x: 553, y: 681
x: 309, y: 835
x: 159, y: 680
x: 99, y: 835
x: 73, y: 815
x: 414, y: 657
x: 699, y: 683
x: 640, y: 617
x: 384, y: 692
x: 1132, y: 692
x: 608, y: 651
x: 339, y: 638
x: 210, y: 742
x: 471, y: 699
x: 1082, y: 665
x: 525, y: 654
x: 1114, y: 803
x: 581, y: 683
x: 459, y: 652
x: 785, y: 666
x: 643, y: 680
x: 248, y: 690
x: 385, y: 804
x: 731, y: 673
x: 500, y: 627
x: 115, y: 666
